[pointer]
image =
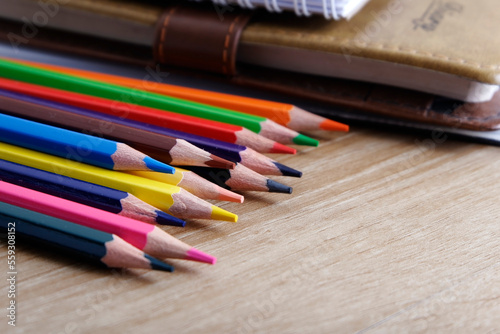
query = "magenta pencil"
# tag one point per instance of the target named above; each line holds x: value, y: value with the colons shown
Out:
x: 146, y: 237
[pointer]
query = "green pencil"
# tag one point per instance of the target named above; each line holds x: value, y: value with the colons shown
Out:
x: 263, y: 126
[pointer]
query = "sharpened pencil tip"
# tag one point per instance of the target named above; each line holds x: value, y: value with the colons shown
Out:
x: 158, y: 166
x: 305, y: 140
x: 159, y: 265
x: 221, y: 214
x: 164, y: 218
x: 287, y: 171
x: 280, y: 148
x: 229, y: 196
x: 276, y: 187
x: 330, y: 125
x: 217, y: 162
x: 196, y: 255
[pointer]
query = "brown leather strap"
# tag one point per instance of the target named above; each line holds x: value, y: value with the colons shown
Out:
x: 200, y: 37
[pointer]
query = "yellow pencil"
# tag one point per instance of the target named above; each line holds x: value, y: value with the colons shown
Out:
x: 172, y: 199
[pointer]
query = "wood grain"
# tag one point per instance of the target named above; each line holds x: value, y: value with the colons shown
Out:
x: 383, y: 234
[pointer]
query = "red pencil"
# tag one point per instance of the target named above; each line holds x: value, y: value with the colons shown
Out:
x: 202, y: 127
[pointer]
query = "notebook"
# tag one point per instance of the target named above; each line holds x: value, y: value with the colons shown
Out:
x: 330, y: 9
x: 437, y: 46
x: 439, y: 117
x: 442, y: 47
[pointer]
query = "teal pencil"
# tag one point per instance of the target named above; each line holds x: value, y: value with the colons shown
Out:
x: 77, y: 146
x: 105, y: 248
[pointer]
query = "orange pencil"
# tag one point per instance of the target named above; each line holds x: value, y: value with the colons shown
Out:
x: 282, y: 113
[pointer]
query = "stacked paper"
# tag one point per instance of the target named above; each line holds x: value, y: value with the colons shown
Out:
x: 330, y: 9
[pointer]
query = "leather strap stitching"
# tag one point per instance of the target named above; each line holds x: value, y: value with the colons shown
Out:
x: 227, y: 42
x: 163, y: 34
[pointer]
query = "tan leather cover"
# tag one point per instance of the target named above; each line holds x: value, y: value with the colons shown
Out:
x: 453, y: 36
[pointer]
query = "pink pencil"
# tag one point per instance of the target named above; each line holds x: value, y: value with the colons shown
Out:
x: 146, y: 237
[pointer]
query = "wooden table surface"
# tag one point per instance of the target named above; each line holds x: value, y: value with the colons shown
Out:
x: 384, y: 233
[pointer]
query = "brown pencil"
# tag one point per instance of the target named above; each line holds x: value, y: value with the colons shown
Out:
x: 193, y: 125
x: 174, y: 151
x: 245, y: 156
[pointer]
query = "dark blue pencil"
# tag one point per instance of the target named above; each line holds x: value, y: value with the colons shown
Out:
x: 97, y: 246
x: 76, y: 146
x: 104, y: 198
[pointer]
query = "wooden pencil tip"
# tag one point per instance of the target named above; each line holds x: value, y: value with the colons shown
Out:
x: 158, y: 265
x: 301, y: 139
x: 287, y: 171
x: 196, y: 255
x: 221, y: 214
x: 163, y: 218
x: 280, y: 148
x: 276, y: 187
x: 217, y: 162
x: 158, y: 166
x: 229, y: 196
x: 330, y: 125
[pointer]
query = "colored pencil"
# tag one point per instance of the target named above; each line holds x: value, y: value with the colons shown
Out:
x: 149, y: 238
x: 173, y: 151
x: 72, y: 239
x: 282, y: 113
x: 261, y: 125
x: 239, y: 154
x: 231, y: 152
x: 76, y: 146
x: 194, y: 125
x: 193, y: 183
x: 171, y: 199
x: 95, y: 195
x: 240, y: 178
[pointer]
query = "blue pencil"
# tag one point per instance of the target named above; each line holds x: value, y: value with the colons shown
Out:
x: 232, y: 152
x: 104, y: 198
x: 76, y: 146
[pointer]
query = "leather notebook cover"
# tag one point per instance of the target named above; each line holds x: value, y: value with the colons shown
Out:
x: 443, y: 47
x: 352, y: 97
x: 219, y: 53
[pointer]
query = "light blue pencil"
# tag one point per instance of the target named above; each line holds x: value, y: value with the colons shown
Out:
x: 77, y: 146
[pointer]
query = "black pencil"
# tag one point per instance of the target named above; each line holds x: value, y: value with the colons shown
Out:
x: 232, y: 152
x: 104, y: 248
x: 104, y: 198
x: 241, y: 178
